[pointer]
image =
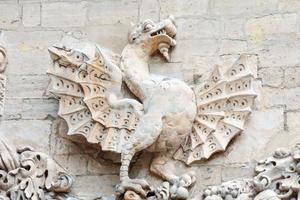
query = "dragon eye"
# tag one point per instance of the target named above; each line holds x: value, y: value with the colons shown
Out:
x: 148, y: 25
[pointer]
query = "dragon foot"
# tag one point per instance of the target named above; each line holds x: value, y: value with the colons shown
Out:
x: 132, y: 189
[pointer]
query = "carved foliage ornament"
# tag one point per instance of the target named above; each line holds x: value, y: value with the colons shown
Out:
x: 27, y: 174
x: 172, y: 119
x: 277, y: 178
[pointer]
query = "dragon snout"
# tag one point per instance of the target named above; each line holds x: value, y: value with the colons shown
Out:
x: 169, y: 26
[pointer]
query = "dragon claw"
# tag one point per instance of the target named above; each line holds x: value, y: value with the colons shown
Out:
x: 138, y: 186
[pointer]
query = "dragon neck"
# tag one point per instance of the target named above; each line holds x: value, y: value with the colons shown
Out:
x: 134, y: 64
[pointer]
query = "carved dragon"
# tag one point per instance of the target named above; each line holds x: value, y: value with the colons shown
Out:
x: 167, y: 116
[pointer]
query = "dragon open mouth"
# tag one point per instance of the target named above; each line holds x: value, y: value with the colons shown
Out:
x: 159, y: 32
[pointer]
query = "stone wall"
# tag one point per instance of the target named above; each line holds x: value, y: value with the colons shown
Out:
x: 209, y: 32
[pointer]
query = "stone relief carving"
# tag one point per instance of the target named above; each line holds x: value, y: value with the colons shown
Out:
x: 167, y: 116
x: 3, y: 63
x: 27, y: 174
x: 277, y: 177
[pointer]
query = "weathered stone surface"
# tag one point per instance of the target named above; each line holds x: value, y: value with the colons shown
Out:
x: 232, y: 47
x: 112, y: 12
x: 87, y: 187
x: 180, y: 52
x: 291, y: 77
x: 237, y: 172
x: 64, y: 14
x: 197, y: 28
x: 271, y: 76
x: 235, y: 8
x: 27, y: 132
x: 28, y: 50
x: 149, y: 9
x: 288, y: 98
x: 180, y: 8
x: 18, y: 108
x: 289, y: 5
x: 10, y: 16
x: 279, y: 51
x: 234, y: 28
x: 286, y: 23
x: 31, y: 14
x: 23, y: 86
x: 293, y: 123
x: 206, y: 30
x: 244, y: 149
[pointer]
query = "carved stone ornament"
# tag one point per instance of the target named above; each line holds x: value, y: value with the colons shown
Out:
x: 277, y: 178
x: 27, y: 174
x: 3, y: 63
x: 167, y: 116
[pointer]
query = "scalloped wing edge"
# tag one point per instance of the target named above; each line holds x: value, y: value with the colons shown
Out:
x: 223, y: 105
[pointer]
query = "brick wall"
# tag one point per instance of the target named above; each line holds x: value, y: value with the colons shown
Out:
x: 209, y: 32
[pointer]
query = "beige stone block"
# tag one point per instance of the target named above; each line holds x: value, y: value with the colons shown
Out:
x: 292, y: 77
x: 17, y: 108
x: 31, y: 14
x: 262, y: 128
x: 293, y: 125
x: 197, y: 28
x: 112, y: 12
x: 208, y: 174
x: 180, y: 8
x: 185, y: 49
x: 77, y: 164
x: 279, y: 51
x: 27, y: 86
x: 289, y: 5
x: 272, y: 24
x: 236, y: 8
x: 291, y: 98
x: 90, y: 186
x: 237, y: 171
x: 288, y: 98
x: 10, y: 16
x: 98, y: 166
x: 64, y: 14
x: 34, y: 133
x: 149, y: 9
x: 271, y: 76
x: 233, y: 47
x: 112, y: 37
x: 234, y: 28
x: 27, y: 50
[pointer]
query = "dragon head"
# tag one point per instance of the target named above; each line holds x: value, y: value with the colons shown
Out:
x: 153, y: 36
x: 67, y: 57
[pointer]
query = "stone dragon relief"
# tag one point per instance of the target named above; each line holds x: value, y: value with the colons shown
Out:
x: 26, y: 174
x: 166, y: 116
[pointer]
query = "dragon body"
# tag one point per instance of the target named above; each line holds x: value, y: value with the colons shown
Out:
x: 167, y: 116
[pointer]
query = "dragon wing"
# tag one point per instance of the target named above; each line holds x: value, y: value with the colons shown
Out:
x: 223, y: 105
x: 88, y: 88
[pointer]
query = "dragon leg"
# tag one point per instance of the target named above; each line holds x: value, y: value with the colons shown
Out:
x: 159, y: 167
x: 146, y: 133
